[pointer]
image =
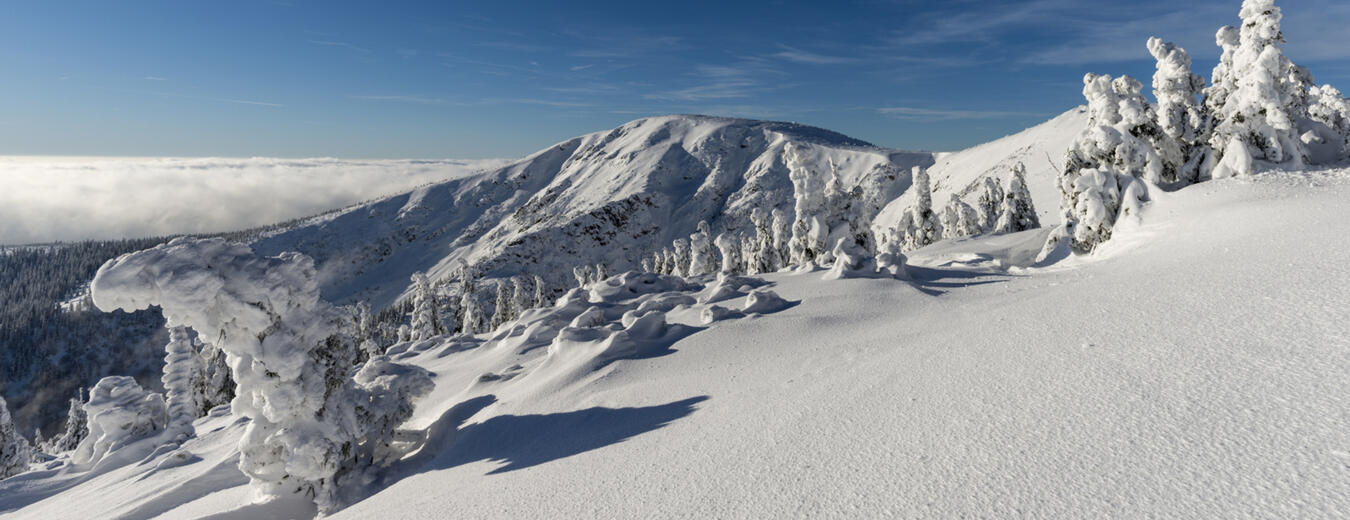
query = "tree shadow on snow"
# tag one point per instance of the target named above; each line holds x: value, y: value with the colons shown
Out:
x: 936, y: 281
x: 522, y: 441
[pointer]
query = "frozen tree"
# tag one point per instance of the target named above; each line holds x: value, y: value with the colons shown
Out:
x: 646, y: 264
x: 520, y: 297
x: 926, y: 225
x: 782, y: 234
x: 763, y: 256
x: 583, y: 275
x: 748, y: 260
x: 14, y: 449
x: 990, y: 203
x: 1269, y: 93
x: 875, y: 190
x: 1183, y: 147
x: 702, y: 258
x: 426, y: 321
x: 1223, y: 81
x: 659, y: 262
x: 501, y: 310
x: 182, y: 365
x: 74, y: 430
x: 1017, y: 213
x: 540, y: 293
x: 670, y: 261
x: 473, y: 319
x: 215, y: 385
x: 682, y: 260
x: 959, y: 219
x: 807, y: 187
x: 905, y: 231
x: 601, y: 272
x: 389, y: 389
x: 730, y: 248
x: 1329, y: 107
x: 120, y: 412
x: 366, y: 330
x: 291, y: 356
x: 1096, y: 203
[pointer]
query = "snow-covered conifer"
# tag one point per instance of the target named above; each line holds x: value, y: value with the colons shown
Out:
x: 1329, y: 107
x: 14, y: 449
x: 74, y: 430
x: 763, y: 254
x: 182, y: 365
x: 1269, y: 98
x: 501, y: 310
x: 473, y: 318
x: 582, y: 275
x: 540, y: 293
x: 215, y: 385
x: 1017, y: 213
x: 927, y: 227
x: 1183, y: 147
x: 782, y: 234
x: 520, y: 296
x: 730, y: 248
x: 702, y: 258
x: 291, y: 353
x: 748, y: 260
x: 601, y: 272
x: 426, y: 322
x: 682, y: 259
x: 905, y: 231
x: 959, y: 219
x: 990, y: 203
x: 808, y: 189
x: 119, y: 412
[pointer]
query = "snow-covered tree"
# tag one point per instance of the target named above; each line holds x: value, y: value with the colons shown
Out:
x: 807, y: 187
x: 182, y: 366
x: 1223, y: 80
x: 1269, y: 94
x: 215, y: 385
x: 520, y: 296
x: 671, y: 262
x: 14, y: 449
x: 926, y: 225
x: 959, y: 219
x: 905, y: 231
x: 540, y: 293
x: 291, y: 353
x: 74, y: 430
x: 120, y: 412
x: 473, y: 318
x: 782, y: 234
x: 748, y: 260
x: 501, y: 310
x: 1181, y: 115
x: 990, y: 203
x: 1017, y: 213
x: 682, y: 260
x: 763, y: 255
x: 601, y: 272
x: 703, y: 260
x: 730, y: 247
x: 583, y: 275
x: 1329, y: 107
x: 426, y: 321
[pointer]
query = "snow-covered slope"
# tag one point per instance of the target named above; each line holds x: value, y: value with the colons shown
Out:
x: 608, y: 197
x: 948, y: 396
x: 1040, y: 148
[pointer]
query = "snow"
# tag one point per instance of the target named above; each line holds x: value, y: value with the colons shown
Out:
x: 1193, y: 366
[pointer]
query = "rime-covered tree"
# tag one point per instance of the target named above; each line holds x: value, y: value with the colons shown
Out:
x: 601, y: 272
x: 540, y: 293
x: 426, y: 320
x: 990, y: 203
x: 182, y: 366
x: 763, y: 256
x: 807, y: 188
x: 520, y: 296
x: 14, y: 449
x: 730, y: 247
x: 120, y: 412
x: 473, y: 318
x: 74, y: 430
x: 682, y: 259
x: 926, y: 225
x: 748, y: 260
x: 1184, y: 145
x: 1329, y: 107
x: 291, y: 353
x: 501, y: 310
x: 1017, y: 213
x: 905, y: 231
x: 1269, y: 95
x: 215, y: 386
x: 959, y: 219
x: 782, y: 234
x: 702, y: 258
x: 583, y: 274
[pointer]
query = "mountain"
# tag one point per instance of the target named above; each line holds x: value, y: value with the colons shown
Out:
x: 607, y: 197
x: 1093, y: 388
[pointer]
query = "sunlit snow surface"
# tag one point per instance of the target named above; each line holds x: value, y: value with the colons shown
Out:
x: 1194, y: 368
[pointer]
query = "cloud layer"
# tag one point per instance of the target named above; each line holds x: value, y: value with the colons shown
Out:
x: 51, y: 199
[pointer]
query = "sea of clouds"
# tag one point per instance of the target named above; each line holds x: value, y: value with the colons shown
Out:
x: 47, y: 199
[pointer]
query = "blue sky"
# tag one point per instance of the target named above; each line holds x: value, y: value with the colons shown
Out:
x: 502, y: 79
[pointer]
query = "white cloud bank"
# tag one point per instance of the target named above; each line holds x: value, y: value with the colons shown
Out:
x: 45, y: 199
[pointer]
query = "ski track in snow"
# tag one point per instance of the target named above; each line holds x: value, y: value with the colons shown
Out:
x: 1195, y: 367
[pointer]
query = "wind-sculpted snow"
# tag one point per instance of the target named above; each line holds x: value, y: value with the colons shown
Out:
x: 119, y: 412
x: 608, y: 198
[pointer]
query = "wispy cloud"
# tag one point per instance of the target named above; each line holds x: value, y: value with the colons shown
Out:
x: 256, y: 103
x: 581, y: 67
x: 344, y: 45
x: 811, y: 58
x: 542, y: 102
x: 929, y: 114
x: 717, y: 82
x: 420, y: 100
